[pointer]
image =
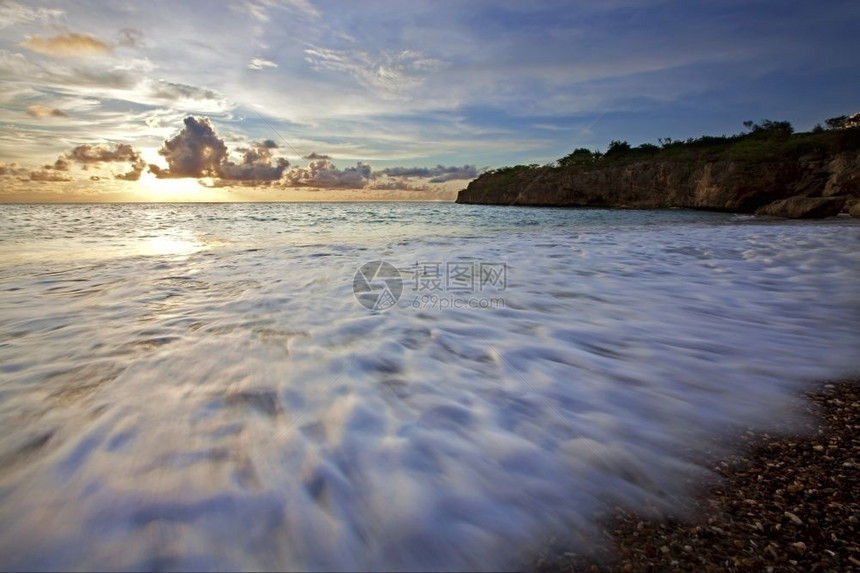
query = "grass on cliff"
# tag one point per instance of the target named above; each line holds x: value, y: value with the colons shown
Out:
x: 768, y: 141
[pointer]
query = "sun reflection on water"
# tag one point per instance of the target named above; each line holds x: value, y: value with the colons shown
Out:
x: 82, y: 249
x: 169, y: 246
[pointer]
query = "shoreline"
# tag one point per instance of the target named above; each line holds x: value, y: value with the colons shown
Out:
x: 782, y: 503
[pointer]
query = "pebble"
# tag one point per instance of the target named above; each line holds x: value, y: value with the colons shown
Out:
x: 800, y: 546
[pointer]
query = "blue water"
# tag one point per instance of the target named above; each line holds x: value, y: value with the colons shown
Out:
x: 199, y: 387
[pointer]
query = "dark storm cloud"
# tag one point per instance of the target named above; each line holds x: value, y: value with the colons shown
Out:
x: 314, y: 156
x: 438, y: 174
x: 196, y: 151
x: 323, y: 173
x: 256, y: 165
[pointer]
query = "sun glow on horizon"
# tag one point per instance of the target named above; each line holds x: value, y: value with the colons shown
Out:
x: 185, y: 189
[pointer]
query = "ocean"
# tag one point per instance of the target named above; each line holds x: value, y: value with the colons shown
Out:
x: 388, y: 386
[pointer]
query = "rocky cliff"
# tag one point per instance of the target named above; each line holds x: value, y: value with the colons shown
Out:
x: 813, y: 185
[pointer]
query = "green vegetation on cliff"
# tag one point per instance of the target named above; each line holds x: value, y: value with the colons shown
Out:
x: 765, y: 141
x: 766, y: 164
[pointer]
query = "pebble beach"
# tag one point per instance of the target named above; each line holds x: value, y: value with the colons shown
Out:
x: 781, y: 503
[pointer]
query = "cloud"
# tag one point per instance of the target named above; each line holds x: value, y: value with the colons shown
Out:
x: 173, y: 92
x: 314, y: 155
x: 112, y: 81
x: 260, y: 63
x: 438, y: 174
x: 256, y: 165
x: 14, y: 14
x: 87, y: 154
x: 177, y: 96
x: 61, y: 164
x: 48, y: 175
x: 129, y: 38
x: 84, y: 79
x: 12, y: 170
x: 258, y: 10
x: 323, y: 173
x: 135, y: 172
x: 398, y: 185
x: 390, y: 72
x: 67, y: 45
x: 301, y: 7
x: 198, y: 151
x: 41, y: 111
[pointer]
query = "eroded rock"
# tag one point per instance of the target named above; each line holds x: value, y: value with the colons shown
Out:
x: 804, y: 207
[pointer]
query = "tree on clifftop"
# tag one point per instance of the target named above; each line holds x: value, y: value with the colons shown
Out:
x: 580, y: 156
x: 769, y: 127
x: 617, y: 148
x: 843, y: 122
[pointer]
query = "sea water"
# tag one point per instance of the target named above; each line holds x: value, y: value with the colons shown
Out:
x: 188, y: 386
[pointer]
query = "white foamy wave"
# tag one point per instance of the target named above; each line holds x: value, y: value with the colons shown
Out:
x: 226, y: 403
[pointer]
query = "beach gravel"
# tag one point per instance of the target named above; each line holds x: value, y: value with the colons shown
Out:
x: 782, y: 503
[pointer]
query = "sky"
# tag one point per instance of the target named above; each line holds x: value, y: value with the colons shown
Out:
x: 321, y: 100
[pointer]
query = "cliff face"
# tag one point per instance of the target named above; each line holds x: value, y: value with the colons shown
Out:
x: 743, y: 187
